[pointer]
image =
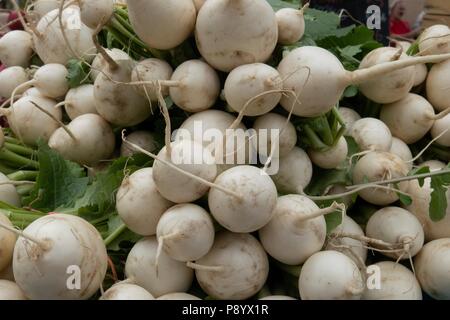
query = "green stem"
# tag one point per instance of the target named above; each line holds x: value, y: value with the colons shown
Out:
x: 17, y: 159
x: 20, y: 149
x: 5, y: 169
x: 99, y: 220
x: 117, y: 37
x: 12, y: 140
x: 313, y: 139
x: 326, y: 133
x: 24, y: 190
x: 23, y: 175
x: 123, y: 21
x: 115, y: 234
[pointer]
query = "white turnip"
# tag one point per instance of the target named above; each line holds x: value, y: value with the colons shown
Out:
x: 349, y: 116
x: 144, y: 139
x: 152, y: 70
x: 435, y: 40
x: 438, y: 86
x: 278, y: 297
x: 291, y: 25
x: 331, y: 158
x: 96, y: 12
x: 7, y: 242
x: 99, y: 63
x: 402, y: 150
x: 330, y: 275
x: 162, y: 25
x: 247, y: 29
x: 198, y: 4
x: 371, y: 135
x: 11, y: 291
x: 441, y: 128
x: 16, y: 48
x: 10, y: 78
x: 178, y: 296
x: 254, y: 209
x: 172, y: 275
x: 185, y: 232
x: 236, y: 268
x: 79, y: 101
x: 293, y: 235
x: 139, y: 203
x: 8, y: 193
x: 126, y: 291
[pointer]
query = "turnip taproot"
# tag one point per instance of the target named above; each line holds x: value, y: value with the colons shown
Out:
x: 60, y: 244
x: 254, y: 209
x: 291, y: 25
x: 126, y: 291
x: 331, y: 158
x: 7, y: 242
x: 96, y: 12
x: 309, y: 71
x: 11, y: 291
x: 410, y: 118
x: 10, y: 78
x: 294, y: 173
x: 438, y: 85
x: 172, y: 275
x: 294, y: 233
x: 139, y: 203
x: 379, y: 166
x: 285, y: 140
x: 247, y: 29
x: 185, y: 232
x: 396, y: 283
x: 249, y: 81
x: 49, y: 42
x: 397, y: 226
x: 432, y: 268
x: 144, y: 139
x: 87, y: 140
x: 236, y: 268
x: 330, y: 275
x: 16, y: 48
x: 162, y: 25
x: 371, y: 134
x: 149, y: 70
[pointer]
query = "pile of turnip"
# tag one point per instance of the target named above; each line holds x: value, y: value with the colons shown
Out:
x: 257, y: 164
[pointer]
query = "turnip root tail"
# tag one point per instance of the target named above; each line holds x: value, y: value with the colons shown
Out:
x: 160, y: 249
x: 70, y: 133
x: 201, y: 267
x: 440, y: 115
x: 302, y: 9
x: 21, y: 87
x: 429, y: 144
x: 113, y: 65
x: 321, y: 212
x: 171, y: 165
x: 362, y: 75
x: 63, y: 31
x: 42, y: 244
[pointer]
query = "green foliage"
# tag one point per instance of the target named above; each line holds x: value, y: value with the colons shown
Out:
x: 78, y: 73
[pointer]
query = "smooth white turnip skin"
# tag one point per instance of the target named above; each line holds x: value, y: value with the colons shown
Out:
x: 10, y: 78
x: 435, y: 40
x: 433, y: 164
x: 396, y: 225
x: 245, y: 267
x: 248, y: 81
x: 187, y: 232
x: 42, y: 7
x: 7, y: 242
x: 80, y: 100
x: 72, y: 241
x: 99, y: 63
x: 354, y: 249
x: 392, y: 86
x: 139, y: 204
x: 162, y: 24
x: 401, y: 149
x: 397, y: 283
x: 11, y: 291
x: 144, y: 139
x: 199, y: 4
x: 331, y: 158
x: 438, y: 85
x: 330, y: 275
x: 8, y: 192
x: 151, y: 70
x: 201, y: 127
x: 421, y: 74
x: 51, y: 80
x: 349, y: 116
x: 378, y: 166
x: 172, y: 276
x: 291, y: 25
x: 50, y: 45
x: 199, y: 86
x: 287, y: 134
x: 438, y: 128
x: 409, y: 119
x: 29, y: 123
x: 178, y: 296
x: 371, y: 134
x: 16, y: 48
x: 420, y: 206
x: 432, y: 268
x: 247, y: 29
x: 117, y: 103
x: 256, y: 207
x: 295, y: 172
x: 290, y: 241
x: 33, y: 92
x: 96, y: 12
x: 278, y: 297
x: 95, y: 140
x: 189, y: 156
x: 126, y: 291
x: 308, y: 71
x: 7, y: 273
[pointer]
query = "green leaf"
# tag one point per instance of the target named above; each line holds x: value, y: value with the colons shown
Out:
x: 278, y: 4
x: 420, y: 170
x: 78, y: 73
x: 322, y: 24
x: 438, y: 203
x: 333, y: 220
x: 351, y: 91
x: 59, y: 182
x: 125, y: 236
